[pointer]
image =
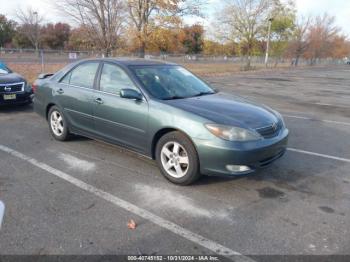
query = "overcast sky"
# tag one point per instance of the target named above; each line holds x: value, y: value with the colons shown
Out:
x: 339, y: 8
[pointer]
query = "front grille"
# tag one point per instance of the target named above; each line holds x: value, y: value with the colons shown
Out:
x: 271, y: 130
x: 12, y: 88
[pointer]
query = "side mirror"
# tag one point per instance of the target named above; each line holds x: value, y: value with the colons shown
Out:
x: 216, y: 89
x: 130, y: 94
x: 43, y: 76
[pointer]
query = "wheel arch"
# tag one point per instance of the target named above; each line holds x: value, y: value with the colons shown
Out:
x: 160, y: 133
x: 48, y: 107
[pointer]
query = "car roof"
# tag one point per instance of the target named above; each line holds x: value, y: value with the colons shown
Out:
x: 121, y: 61
x: 132, y: 61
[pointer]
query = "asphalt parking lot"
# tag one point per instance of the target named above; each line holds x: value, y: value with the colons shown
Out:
x: 77, y: 197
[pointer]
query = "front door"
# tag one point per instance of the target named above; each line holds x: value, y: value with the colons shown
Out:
x: 118, y: 119
x: 75, y: 94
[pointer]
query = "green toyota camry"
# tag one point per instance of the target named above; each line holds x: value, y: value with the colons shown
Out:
x: 163, y: 111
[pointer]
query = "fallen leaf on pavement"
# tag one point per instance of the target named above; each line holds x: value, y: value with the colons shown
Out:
x: 131, y: 224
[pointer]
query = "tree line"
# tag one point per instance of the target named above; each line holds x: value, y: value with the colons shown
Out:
x: 62, y: 36
x: 239, y: 28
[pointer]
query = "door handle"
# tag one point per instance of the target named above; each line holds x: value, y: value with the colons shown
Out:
x: 99, y: 101
x: 60, y: 91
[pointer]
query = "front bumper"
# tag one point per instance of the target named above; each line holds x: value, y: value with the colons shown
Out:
x: 215, y: 156
x: 21, y: 98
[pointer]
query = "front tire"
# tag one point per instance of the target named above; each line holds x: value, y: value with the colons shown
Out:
x: 58, y: 124
x: 177, y: 158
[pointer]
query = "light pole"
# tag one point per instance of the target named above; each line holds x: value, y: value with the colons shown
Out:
x: 268, y: 42
x: 36, y: 31
x: 41, y: 54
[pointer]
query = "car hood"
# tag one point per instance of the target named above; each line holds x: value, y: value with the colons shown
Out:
x: 227, y: 109
x: 11, y: 78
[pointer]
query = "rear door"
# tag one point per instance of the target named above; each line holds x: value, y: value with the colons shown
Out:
x: 118, y: 119
x: 75, y: 94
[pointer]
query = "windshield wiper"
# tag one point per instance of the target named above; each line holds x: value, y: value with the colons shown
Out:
x: 204, y: 93
x: 173, y: 98
x: 182, y: 97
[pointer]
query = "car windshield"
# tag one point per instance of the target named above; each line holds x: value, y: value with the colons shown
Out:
x: 4, y: 69
x: 171, y: 82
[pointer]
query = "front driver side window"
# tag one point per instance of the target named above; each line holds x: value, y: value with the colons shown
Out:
x: 66, y: 79
x: 113, y: 79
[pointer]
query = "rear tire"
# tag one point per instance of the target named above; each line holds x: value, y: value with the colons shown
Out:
x: 177, y: 158
x: 58, y: 124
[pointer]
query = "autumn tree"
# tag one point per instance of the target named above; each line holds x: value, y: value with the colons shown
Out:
x: 193, y: 39
x: 20, y: 40
x: 211, y: 47
x: 104, y: 20
x: 340, y: 47
x: 148, y: 15
x: 215, y: 48
x: 55, y: 36
x: 79, y: 39
x: 320, y: 37
x: 165, y: 40
x: 7, y: 30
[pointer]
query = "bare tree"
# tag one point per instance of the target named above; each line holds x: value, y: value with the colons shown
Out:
x: 104, y: 19
x: 300, y: 43
x: 244, y: 21
x: 30, y: 21
x: 146, y: 15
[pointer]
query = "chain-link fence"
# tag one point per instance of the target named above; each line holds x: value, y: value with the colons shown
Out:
x: 42, y: 56
x: 46, y: 57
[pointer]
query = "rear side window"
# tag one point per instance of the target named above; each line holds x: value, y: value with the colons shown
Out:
x: 83, y: 75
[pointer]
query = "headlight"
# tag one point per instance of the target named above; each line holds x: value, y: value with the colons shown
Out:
x: 231, y: 133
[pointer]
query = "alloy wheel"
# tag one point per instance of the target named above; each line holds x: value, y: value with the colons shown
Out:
x: 56, y: 122
x: 175, y: 159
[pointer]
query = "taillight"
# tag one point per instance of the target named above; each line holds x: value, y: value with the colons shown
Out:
x: 34, y: 87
